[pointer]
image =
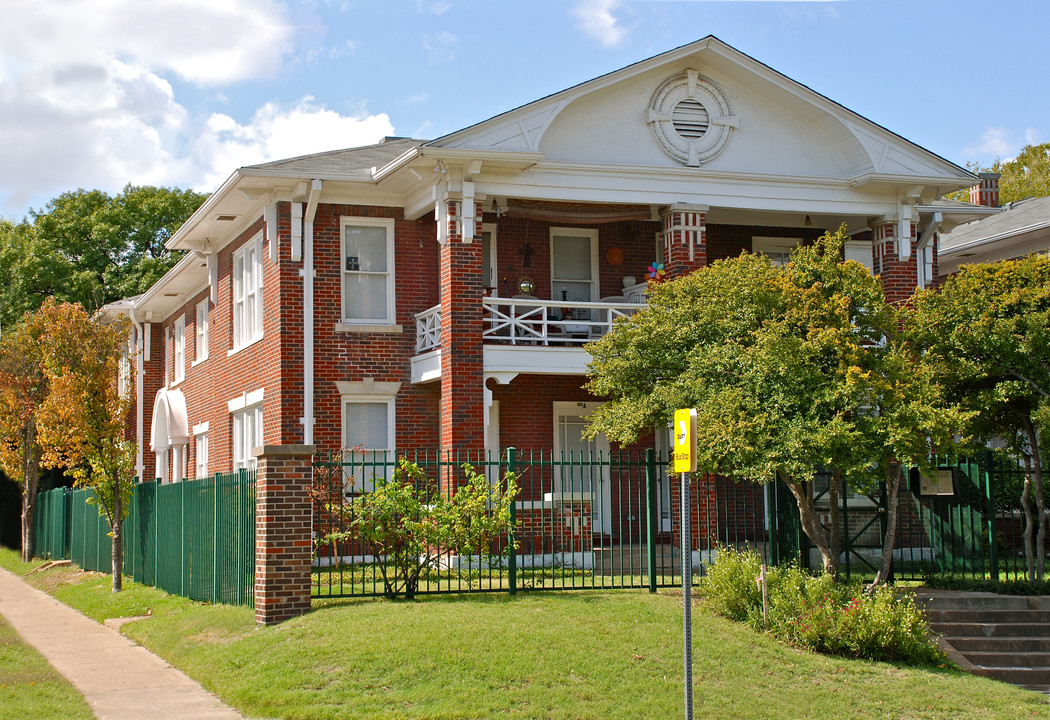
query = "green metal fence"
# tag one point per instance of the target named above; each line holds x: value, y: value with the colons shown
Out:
x: 966, y: 521
x: 581, y: 521
x: 195, y: 538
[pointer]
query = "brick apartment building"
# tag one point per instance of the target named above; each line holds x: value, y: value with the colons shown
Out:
x: 439, y: 294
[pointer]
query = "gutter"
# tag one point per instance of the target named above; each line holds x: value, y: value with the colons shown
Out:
x: 139, y: 415
x: 308, y: 311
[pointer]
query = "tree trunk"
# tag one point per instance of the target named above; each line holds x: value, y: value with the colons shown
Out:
x: 118, y: 554
x: 31, y: 477
x: 1029, y: 522
x: 894, y: 479
x: 811, y: 521
x: 836, y: 518
x: 1037, y: 492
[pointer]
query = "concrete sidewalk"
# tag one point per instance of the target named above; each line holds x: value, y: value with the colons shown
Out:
x: 119, y: 679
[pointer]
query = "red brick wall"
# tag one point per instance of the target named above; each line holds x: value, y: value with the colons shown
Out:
x: 636, y: 240
x: 353, y: 356
x: 898, y: 277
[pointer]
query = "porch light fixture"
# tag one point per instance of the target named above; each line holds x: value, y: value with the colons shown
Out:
x: 808, y: 222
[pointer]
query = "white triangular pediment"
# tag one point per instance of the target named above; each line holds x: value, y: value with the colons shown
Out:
x: 772, y: 125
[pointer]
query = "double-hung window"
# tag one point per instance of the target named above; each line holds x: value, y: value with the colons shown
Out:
x: 368, y: 431
x: 202, y: 332
x: 180, y: 349
x: 246, y: 415
x: 368, y: 271
x: 247, y: 434
x: 200, y: 442
x: 248, y: 293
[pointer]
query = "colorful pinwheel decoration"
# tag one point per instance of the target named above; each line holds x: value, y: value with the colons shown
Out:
x: 656, y: 272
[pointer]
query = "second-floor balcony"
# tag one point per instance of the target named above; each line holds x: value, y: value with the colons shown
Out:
x: 524, y: 333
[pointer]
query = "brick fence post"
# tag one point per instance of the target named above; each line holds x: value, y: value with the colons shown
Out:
x: 283, y: 529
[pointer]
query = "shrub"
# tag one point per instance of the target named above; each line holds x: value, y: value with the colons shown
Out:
x: 411, y: 525
x: 819, y: 613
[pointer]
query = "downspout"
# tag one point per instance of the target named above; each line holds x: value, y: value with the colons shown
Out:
x: 308, y: 312
x: 138, y: 394
x: 920, y: 249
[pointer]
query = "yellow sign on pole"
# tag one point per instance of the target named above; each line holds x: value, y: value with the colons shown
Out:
x: 684, y: 432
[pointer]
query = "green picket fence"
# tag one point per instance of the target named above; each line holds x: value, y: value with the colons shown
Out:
x: 195, y: 538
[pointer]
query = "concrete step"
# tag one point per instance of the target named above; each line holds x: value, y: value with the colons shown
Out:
x: 952, y: 600
x: 1009, y: 659
x: 969, y: 645
x: 1011, y: 629
x: 1016, y: 676
x: 987, y: 616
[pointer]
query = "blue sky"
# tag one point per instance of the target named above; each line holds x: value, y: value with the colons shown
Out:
x: 99, y: 93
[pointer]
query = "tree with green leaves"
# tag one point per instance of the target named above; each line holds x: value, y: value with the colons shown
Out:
x: 1025, y: 176
x: 791, y: 370
x: 88, y: 247
x: 986, y: 334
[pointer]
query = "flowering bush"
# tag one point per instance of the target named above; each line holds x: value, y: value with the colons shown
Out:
x: 819, y: 613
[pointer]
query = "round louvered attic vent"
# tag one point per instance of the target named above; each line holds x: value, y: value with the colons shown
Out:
x: 689, y: 119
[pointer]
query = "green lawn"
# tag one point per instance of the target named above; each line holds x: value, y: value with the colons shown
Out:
x: 30, y: 689
x: 592, y: 654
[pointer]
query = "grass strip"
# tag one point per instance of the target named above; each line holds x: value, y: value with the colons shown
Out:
x: 595, y: 654
x: 30, y: 689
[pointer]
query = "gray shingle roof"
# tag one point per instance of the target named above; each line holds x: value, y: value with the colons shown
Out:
x: 1017, y: 218
x: 346, y: 162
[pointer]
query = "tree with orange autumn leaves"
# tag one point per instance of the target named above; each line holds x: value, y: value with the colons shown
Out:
x: 61, y: 406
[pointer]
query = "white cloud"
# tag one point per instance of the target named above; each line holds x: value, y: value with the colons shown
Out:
x: 596, y: 19
x: 440, y: 47
x: 202, y: 41
x: 994, y: 142
x: 85, y: 99
x: 436, y: 7
x: 1032, y: 136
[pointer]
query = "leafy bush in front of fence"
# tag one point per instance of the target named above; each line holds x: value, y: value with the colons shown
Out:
x: 407, y: 521
x: 819, y: 613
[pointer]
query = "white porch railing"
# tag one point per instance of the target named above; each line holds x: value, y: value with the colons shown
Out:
x: 428, y: 329
x: 527, y: 321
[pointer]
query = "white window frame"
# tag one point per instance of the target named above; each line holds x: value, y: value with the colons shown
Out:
x: 367, y: 392
x: 201, y: 333
x: 775, y: 248
x: 490, y: 273
x: 180, y: 349
x: 200, y: 450
x: 391, y: 306
x: 248, y: 408
x: 592, y: 235
x: 247, y: 276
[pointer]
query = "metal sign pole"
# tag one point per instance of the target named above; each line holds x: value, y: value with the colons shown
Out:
x: 687, y: 597
x: 685, y: 456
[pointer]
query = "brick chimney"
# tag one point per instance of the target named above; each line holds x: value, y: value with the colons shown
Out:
x: 986, y: 191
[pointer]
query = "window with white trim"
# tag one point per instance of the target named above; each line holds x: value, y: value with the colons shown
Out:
x: 574, y: 265
x: 368, y: 431
x: 777, y: 249
x: 201, y: 330
x: 368, y: 270
x: 200, y: 447
x: 247, y: 435
x: 180, y: 349
x: 248, y: 293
